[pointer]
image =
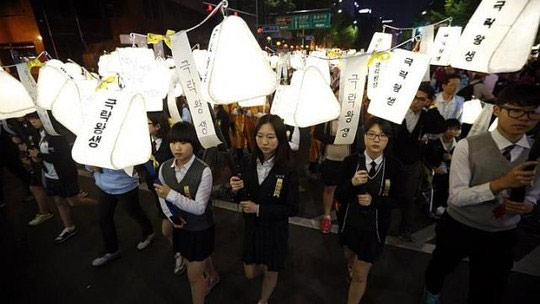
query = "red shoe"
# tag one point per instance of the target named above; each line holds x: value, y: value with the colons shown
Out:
x: 326, y: 225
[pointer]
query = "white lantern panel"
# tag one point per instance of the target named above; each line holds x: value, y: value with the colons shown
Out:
x: 14, y: 99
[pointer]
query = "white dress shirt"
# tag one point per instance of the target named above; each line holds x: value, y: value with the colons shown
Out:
x: 157, y: 142
x: 195, y: 206
x: 411, y: 119
x: 378, y: 161
x: 461, y: 193
x: 263, y: 169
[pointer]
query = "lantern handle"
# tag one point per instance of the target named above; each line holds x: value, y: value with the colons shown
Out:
x: 223, y: 4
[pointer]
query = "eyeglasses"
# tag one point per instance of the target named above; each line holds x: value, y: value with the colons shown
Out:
x: 518, y: 113
x: 419, y: 99
x: 373, y: 135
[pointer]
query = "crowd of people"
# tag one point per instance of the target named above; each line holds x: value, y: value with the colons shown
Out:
x: 469, y: 171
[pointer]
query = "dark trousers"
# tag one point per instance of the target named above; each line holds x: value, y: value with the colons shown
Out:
x: 411, y: 189
x: 490, y: 259
x: 440, y: 191
x: 107, y: 207
x: 13, y: 164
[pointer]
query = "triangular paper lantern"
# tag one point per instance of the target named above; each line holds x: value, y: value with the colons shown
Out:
x: 73, y: 103
x: 321, y: 62
x: 201, y: 58
x: 237, y: 69
x: 141, y: 73
x: 284, y: 103
x: 297, y: 61
x: 498, y: 37
x: 109, y: 64
x: 52, y: 77
x: 116, y: 135
x: 14, y: 99
x: 316, y: 101
x: 471, y: 111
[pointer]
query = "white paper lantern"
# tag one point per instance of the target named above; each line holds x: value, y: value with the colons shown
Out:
x: 274, y: 59
x: 201, y: 58
x: 14, y: 99
x: 446, y: 41
x: 109, y: 64
x: 52, y: 77
x: 471, y: 111
x: 237, y: 69
x: 141, y: 73
x: 297, y: 61
x: 321, y: 62
x: 116, y: 135
x: 73, y: 103
x: 399, y: 85
x: 498, y: 37
x: 316, y: 101
x: 284, y: 103
x: 379, y: 42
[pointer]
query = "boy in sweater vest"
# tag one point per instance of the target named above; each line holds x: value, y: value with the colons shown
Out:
x: 481, y: 219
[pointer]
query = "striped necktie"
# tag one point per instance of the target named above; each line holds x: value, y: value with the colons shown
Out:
x: 507, y: 152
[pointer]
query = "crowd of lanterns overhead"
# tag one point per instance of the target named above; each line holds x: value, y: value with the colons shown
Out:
x: 237, y: 70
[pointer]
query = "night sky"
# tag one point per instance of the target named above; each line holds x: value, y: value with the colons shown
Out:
x: 403, y: 12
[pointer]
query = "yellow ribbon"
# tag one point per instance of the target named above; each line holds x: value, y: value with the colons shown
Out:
x: 105, y: 83
x: 154, y: 162
x: 152, y: 38
x: 381, y: 56
x: 35, y: 63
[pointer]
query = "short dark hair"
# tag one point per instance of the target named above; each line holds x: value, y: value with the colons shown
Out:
x: 447, y: 78
x: 283, y: 156
x: 520, y: 94
x: 159, y: 118
x: 453, y: 123
x: 33, y: 115
x: 184, y: 132
x: 426, y: 88
x: 386, y: 128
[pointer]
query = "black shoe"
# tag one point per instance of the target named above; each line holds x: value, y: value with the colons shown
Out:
x: 66, y: 234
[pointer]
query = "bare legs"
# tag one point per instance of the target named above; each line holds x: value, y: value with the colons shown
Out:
x: 269, y: 282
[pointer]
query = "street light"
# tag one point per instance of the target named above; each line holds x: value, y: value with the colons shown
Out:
x: 424, y: 12
x: 355, y: 22
x: 365, y: 11
x: 387, y: 21
x: 339, y: 11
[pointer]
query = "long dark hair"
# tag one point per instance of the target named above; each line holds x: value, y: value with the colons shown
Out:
x: 386, y: 128
x: 159, y: 118
x: 283, y: 156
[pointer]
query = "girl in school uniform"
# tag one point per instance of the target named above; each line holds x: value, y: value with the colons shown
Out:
x: 185, y: 187
x: 158, y: 126
x: 366, y: 198
x: 59, y: 175
x: 268, y: 195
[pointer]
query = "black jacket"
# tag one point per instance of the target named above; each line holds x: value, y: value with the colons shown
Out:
x: 434, y: 153
x: 376, y: 216
x: 275, y: 206
x: 59, y: 155
x: 408, y: 146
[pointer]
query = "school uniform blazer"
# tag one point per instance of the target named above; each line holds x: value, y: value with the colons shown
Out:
x: 275, y: 205
x: 377, y: 214
x: 59, y: 155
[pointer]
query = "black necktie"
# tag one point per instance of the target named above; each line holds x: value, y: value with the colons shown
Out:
x: 507, y: 152
x: 373, y: 169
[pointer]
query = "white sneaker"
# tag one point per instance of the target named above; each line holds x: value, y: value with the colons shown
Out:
x: 179, y: 264
x: 108, y: 257
x: 66, y: 234
x: 40, y: 218
x: 440, y: 210
x: 146, y: 242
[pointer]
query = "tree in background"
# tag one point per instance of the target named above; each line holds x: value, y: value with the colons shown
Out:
x: 460, y: 10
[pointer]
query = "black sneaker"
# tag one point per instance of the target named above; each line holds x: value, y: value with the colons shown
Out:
x: 66, y: 234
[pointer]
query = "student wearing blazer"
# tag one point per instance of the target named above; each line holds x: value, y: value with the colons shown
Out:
x: 371, y: 189
x: 267, y: 189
